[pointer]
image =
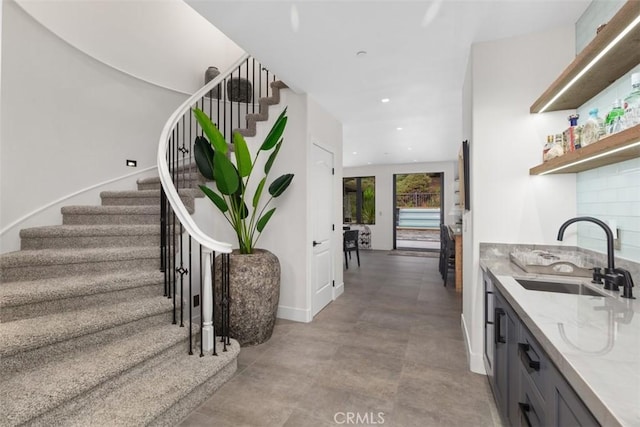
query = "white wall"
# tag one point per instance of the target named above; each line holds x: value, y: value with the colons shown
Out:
x: 165, y: 43
x: 382, y: 230
x: 508, y: 205
x: 69, y: 123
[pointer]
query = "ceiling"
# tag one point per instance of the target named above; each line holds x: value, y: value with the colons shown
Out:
x: 416, y: 56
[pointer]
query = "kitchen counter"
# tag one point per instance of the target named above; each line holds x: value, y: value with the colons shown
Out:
x: 593, y: 341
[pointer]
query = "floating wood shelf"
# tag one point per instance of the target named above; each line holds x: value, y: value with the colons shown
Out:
x: 614, y: 64
x: 612, y: 149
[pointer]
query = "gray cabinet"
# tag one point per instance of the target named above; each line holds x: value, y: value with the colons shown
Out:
x: 505, y: 364
x: 528, y: 388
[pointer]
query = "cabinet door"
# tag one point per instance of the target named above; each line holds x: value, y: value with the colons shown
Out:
x: 513, y: 367
x: 531, y: 410
x: 566, y: 408
x: 500, y: 356
x: 489, y: 338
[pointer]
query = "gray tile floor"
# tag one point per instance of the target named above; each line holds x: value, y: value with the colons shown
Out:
x: 388, y: 352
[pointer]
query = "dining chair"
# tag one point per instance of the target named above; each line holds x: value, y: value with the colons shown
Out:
x: 448, y: 254
x: 350, y: 244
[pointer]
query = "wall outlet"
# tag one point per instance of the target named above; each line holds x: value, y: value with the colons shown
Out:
x: 196, y: 300
x: 616, y: 240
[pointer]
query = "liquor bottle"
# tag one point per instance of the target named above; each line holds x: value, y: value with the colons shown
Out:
x: 615, y: 119
x: 632, y: 102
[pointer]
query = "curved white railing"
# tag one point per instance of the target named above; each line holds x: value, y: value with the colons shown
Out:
x: 163, y: 168
x: 230, y: 99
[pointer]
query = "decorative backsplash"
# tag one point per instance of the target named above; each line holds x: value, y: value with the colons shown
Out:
x: 611, y: 192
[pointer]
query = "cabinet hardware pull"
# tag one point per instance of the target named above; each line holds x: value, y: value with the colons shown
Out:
x: 523, y: 351
x: 524, y: 408
x: 497, y: 314
x: 486, y: 305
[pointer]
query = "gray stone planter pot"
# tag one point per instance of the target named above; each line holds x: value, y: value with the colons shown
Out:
x: 254, y: 293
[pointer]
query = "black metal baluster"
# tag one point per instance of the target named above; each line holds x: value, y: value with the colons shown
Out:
x: 213, y: 300
x: 226, y: 302
x: 173, y: 230
x: 201, y: 305
x: 190, y: 304
x: 267, y: 82
x: 253, y: 83
x: 224, y: 112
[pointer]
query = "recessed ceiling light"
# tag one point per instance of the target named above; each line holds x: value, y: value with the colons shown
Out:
x: 409, y: 148
x: 361, y: 53
x: 385, y: 100
x: 399, y: 128
x: 355, y: 152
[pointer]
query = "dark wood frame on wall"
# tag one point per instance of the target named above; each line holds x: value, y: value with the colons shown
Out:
x: 465, y: 178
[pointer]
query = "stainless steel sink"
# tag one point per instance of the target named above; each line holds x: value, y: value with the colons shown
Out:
x: 559, y: 287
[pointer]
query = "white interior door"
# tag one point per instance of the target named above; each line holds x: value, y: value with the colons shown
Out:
x: 321, y: 217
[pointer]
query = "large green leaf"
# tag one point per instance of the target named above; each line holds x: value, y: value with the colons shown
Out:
x: 225, y: 174
x: 278, y: 186
x: 276, y: 132
x: 258, y: 193
x: 243, y: 158
x: 239, y: 205
x: 215, y: 198
x: 211, y: 130
x: 272, y: 157
x: 204, y: 156
x: 264, y: 219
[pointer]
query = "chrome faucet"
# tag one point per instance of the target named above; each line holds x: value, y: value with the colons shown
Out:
x: 613, y: 277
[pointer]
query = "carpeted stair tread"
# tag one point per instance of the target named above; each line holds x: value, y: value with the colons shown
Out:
x: 89, y: 236
x: 174, y: 377
x: 28, y: 334
x: 186, y: 180
x: 36, y: 291
x: 27, y: 395
x: 111, y: 210
x: 251, y: 119
x: 186, y: 175
x: 90, y: 230
x: 144, y: 197
x: 43, y: 257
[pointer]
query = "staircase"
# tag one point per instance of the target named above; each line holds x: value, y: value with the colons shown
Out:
x: 87, y: 335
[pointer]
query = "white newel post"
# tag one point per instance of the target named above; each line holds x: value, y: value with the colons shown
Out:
x: 207, y: 302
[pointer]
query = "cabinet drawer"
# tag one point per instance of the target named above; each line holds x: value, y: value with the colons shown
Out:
x: 533, y: 362
x: 531, y: 409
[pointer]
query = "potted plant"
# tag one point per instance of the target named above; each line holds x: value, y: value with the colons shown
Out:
x: 254, y: 273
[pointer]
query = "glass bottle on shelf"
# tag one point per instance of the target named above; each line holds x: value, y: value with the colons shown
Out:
x: 632, y: 102
x: 615, y: 119
x: 593, y: 128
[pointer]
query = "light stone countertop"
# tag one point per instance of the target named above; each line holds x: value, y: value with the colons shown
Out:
x: 593, y: 341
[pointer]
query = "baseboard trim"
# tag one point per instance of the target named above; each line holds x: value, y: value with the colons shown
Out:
x: 338, y: 290
x: 295, y: 314
x: 476, y: 361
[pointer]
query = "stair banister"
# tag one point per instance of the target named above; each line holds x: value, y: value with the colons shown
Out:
x: 163, y: 169
x: 208, y: 244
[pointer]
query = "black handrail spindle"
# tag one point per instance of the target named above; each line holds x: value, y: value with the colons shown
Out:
x: 201, y: 305
x: 213, y: 300
x: 190, y: 304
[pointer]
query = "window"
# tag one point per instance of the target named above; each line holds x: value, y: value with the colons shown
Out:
x: 359, y: 200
